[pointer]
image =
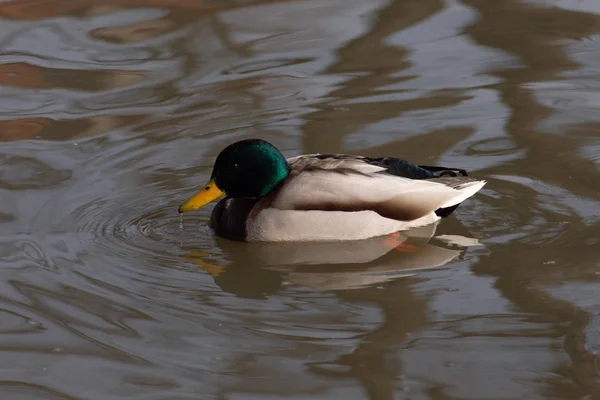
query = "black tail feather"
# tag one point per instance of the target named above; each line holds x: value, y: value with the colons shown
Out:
x: 443, y: 171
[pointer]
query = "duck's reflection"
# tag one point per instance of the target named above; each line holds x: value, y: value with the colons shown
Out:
x: 259, y: 269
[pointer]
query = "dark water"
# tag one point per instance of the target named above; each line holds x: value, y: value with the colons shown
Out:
x: 112, y: 112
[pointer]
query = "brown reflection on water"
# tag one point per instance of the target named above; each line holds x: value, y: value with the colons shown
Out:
x: 28, y: 76
x: 40, y: 9
x: 113, y: 111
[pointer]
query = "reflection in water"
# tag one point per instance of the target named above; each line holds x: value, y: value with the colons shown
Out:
x: 112, y: 109
x: 327, y: 266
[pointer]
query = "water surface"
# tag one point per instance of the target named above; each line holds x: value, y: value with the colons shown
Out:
x: 113, y: 111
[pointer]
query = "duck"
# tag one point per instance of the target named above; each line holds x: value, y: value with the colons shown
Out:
x: 266, y: 197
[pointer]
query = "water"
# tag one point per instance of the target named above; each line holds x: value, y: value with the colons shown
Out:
x: 112, y: 113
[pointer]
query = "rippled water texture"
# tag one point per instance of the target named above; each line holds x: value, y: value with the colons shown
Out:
x: 112, y: 112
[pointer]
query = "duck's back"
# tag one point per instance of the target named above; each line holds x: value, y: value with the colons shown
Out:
x: 351, y: 164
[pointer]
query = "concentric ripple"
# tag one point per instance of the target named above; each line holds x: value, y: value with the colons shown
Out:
x: 140, y: 224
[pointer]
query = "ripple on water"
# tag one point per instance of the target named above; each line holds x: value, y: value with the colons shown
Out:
x: 263, y: 65
x: 20, y: 173
x: 13, y: 323
x: 131, y: 238
x: 133, y: 226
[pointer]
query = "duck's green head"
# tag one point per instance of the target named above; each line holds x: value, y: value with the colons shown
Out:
x: 248, y: 168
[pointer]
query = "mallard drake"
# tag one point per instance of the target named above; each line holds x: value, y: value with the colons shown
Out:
x: 324, y: 197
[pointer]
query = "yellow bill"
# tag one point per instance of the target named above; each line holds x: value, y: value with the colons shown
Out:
x: 208, y: 193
